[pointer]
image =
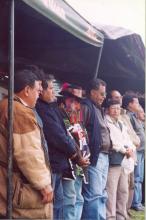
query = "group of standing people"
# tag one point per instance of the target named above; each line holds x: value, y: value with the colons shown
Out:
x: 73, y: 159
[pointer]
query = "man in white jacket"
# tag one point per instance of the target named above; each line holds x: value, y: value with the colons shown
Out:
x: 122, y: 147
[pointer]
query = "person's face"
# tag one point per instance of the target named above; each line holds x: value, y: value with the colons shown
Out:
x: 134, y: 106
x: 72, y: 104
x: 116, y: 96
x: 48, y: 94
x: 77, y: 92
x: 114, y: 111
x: 98, y: 95
x: 41, y: 88
x: 141, y: 114
x: 32, y: 94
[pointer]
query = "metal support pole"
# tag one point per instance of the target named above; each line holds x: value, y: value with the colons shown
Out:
x: 10, y: 111
x: 98, y: 62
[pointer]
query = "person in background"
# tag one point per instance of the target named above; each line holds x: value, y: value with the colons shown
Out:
x: 94, y: 193
x: 141, y: 117
x: 62, y: 151
x: 115, y: 95
x: 131, y: 103
x: 31, y: 171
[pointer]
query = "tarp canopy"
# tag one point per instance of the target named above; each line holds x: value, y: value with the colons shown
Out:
x: 111, y: 16
x: 123, y: 58
x: 113, y: 32
x: 51, y: 34
x: 62, y: 14
x: 122, y: 63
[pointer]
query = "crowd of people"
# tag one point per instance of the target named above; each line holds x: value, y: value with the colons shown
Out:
x: 77, y: 156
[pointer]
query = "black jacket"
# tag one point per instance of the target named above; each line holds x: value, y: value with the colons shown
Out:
x: 60, y: 145
x: 92, y: 125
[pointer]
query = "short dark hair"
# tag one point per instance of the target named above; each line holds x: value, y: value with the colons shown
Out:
x: 95, y: 84
x: 109, y: 95
x: 47, y: 78
x: 112, y: 102
x: 23, y: 78
x: 37, y: 71
x: 128, y: 99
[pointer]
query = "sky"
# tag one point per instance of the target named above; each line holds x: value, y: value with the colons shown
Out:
x: 128, y: 14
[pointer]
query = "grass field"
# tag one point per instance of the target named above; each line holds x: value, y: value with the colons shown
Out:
x: 137, y: 215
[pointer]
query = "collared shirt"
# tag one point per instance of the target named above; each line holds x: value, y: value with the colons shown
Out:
x: 118, y: 124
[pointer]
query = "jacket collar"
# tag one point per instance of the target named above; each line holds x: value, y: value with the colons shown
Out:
x: 17, y: 98
x: 110, y: 120
x: 47, y: 103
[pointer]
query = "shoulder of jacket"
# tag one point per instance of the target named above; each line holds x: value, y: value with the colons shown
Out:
x: 24, y: 119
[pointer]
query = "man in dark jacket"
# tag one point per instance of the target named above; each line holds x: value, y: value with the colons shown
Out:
x: 61, y: 147
x: 99, y: 143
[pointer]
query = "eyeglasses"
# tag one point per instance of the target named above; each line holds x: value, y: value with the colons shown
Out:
x: 104, y: 94
x: 115, y: 108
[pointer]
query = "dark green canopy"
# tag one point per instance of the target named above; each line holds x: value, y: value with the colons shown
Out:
x: 51, y: 34
x: 63, y: 15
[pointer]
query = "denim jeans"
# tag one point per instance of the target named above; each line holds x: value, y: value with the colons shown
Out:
x: 94, y: 193
x: 138, y: 179
x: 58, y: 196
x: 79, y: 197
x: 69, y: 199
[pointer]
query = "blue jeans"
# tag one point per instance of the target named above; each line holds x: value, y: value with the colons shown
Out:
x: 138, y: 179
x: 69, y: 199
x: 79, y: 197
x: 94, y: 193
x: 58, y: 196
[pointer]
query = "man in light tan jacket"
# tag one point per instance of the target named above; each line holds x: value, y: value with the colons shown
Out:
x: 115, y: 95
x: 32, y: 191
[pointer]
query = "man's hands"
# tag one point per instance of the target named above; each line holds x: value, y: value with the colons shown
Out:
x: 81, y: 161
x: 47, y: 194
x: 84, y: 162
x: 129, y: 153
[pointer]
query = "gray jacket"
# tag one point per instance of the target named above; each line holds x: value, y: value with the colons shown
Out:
x: 138, y: 128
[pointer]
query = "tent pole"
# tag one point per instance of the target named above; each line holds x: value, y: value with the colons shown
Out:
x: 10, y: 111
x: 98, y: 62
